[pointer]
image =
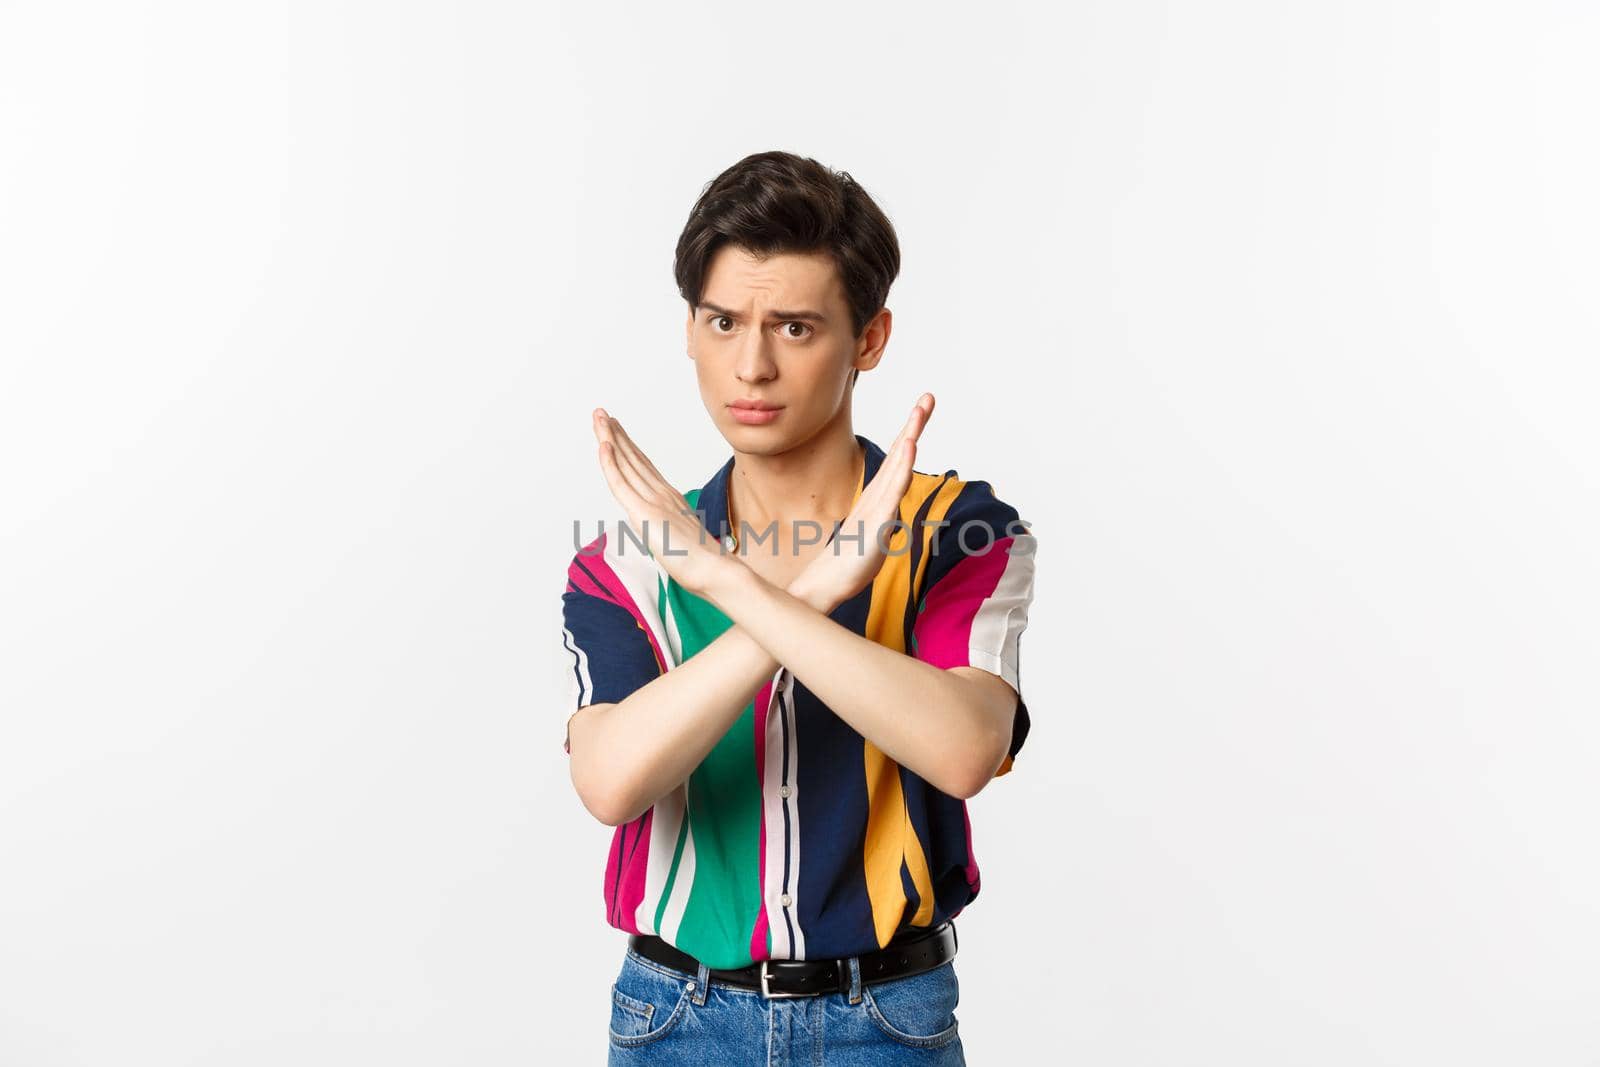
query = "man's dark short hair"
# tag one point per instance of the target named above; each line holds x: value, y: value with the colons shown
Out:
x: 777, y: 202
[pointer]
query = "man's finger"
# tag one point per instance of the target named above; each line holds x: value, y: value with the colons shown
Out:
x: 620, y: 489
x: 920, y: 411
x: 912, y: 427
x: 894, y: 475
x: 642, y: 461
x: 630, y: 468
x: 888, y: 485
x: 644, y: 473
x: 619, y: 477
x: 926, y: 413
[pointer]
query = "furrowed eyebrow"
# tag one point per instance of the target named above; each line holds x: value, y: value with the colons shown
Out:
x: 774, y: 316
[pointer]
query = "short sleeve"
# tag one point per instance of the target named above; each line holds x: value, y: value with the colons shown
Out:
x: 611, y: 650
x: 976, y: 592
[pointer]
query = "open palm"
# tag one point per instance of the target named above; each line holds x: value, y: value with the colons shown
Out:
x: 656, y: 511
x: 848, y: 567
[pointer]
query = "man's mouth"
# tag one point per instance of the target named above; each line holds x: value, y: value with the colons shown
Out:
x: 754, y: 412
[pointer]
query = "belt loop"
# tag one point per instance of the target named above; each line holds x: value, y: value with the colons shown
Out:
x: 702, y: 984
x: 855, y: 979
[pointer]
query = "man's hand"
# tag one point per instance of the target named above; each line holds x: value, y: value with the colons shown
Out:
x: 841, y: 571
x: 657, y: 512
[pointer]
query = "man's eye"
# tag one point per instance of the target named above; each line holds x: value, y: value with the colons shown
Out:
x: 719, y: 318
x: 802, y: 325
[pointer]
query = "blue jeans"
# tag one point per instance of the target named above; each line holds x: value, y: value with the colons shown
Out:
x: 668, y: 1017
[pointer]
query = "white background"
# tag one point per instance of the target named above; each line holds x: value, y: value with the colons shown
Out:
x: 1276, y: 320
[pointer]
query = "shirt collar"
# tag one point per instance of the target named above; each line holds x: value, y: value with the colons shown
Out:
x: 713, y: 500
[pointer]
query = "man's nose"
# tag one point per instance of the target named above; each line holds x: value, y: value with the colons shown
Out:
x: 755, y: 363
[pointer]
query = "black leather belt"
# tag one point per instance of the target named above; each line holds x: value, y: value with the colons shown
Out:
x: 910, y: 952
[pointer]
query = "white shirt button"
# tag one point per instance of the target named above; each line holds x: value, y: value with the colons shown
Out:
x: 786, y: 900
x: 784, y: 791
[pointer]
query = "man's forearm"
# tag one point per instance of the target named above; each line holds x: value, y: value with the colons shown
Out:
x: 924, y: 718
x: 627, y: 755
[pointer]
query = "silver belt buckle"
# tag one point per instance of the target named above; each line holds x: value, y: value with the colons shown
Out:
x: 766, y: 990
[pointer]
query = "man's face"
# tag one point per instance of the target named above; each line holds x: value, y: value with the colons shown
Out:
x: 778, y: 331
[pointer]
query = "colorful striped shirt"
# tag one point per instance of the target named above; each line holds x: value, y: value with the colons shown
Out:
x: 796, y: 837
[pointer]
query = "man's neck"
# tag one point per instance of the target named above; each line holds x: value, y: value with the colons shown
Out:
x: 815, y: 481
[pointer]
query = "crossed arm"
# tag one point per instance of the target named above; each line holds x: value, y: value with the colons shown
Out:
x: 952, y: 727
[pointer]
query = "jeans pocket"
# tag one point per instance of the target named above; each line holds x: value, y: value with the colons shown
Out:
x: 918, y: 1010
x: 646, y: 1002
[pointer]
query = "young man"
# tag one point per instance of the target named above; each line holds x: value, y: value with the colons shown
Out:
x: 788, y: 682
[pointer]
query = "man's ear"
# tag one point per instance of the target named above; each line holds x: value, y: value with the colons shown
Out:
x: 873, y: 340
x: 688, y: 333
